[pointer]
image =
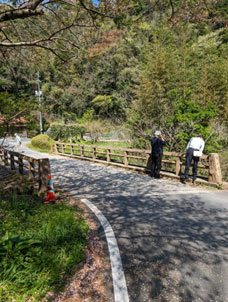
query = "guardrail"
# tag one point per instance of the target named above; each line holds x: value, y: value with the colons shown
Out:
x: 37, y: 170
x: 209, y: 165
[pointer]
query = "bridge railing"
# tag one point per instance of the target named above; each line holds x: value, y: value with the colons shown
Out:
x: 173, y: 163
x: 37, y: 170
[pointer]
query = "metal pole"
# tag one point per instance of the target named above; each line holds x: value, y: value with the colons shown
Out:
x: 39, y: 94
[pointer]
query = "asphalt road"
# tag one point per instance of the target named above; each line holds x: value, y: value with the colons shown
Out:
x: 173, y: 238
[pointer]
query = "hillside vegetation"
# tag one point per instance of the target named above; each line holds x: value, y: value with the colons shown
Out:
x: 149, y: 65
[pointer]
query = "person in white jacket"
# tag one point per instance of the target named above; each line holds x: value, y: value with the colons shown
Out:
x: 194, y: 150
x: 18, y: 141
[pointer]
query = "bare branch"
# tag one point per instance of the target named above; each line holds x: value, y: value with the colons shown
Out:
x: 5, y: 35
x: 66, y: 40
x: 42, y: 34
x: 61, y: 21
x: 172, y: 8
x: 33, y: 4
x: 16, y: 30
x: 30, y: 8
x: 26, y: 43
x: 93, y: 11
x: 40, y: 41
x: 19, y: 14
x: 15, y: 115
x: 51, y: 50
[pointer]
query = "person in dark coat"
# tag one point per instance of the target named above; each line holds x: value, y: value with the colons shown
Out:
x: 157, y: 143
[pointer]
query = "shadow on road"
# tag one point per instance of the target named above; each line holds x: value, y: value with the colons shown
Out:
x: 174, y: 247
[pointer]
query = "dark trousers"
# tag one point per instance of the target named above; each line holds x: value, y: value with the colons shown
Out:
x: 156, y: 160
x: 189, y: 158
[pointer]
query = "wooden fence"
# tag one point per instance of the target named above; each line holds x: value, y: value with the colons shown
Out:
x: 172, y: 163
x: 37, y: 170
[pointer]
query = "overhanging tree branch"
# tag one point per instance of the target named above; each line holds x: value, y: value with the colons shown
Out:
x: 30, y: 8
x: 47, y: 21
x: 20, y: 14
x: 38, y: 43
x: 26, y: 10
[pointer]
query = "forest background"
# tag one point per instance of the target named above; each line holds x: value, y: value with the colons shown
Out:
x: 130, y: 67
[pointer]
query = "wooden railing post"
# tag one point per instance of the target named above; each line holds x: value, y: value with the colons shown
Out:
x: 31, y: 171
x: 44, y: 171
x: 63, y: 148
x: 1, y: 154
x: 12, y: 161
x: 148, y: 163
x: 82, y: 151
x: 56, y: 148
x: 215, y: 174
x: 94, y: 152
x: 6, y: 161
x: 71, y: 149
x: 20, y: 164
x: 178, y: 165
x: 108, y: 155
x: 125, y: 158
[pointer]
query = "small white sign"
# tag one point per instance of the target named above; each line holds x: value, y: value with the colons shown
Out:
x: 38, y: 93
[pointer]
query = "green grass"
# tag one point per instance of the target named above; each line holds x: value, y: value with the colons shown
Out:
x: 106, y: 144
x: 40, y: 245
x: 43, y: 150
x: 121, y: 144
x: 82, y: 142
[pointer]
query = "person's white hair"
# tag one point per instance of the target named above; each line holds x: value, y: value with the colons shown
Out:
x: 157, y: 133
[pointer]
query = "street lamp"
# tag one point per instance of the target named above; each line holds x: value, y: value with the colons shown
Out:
x: 38, y: 94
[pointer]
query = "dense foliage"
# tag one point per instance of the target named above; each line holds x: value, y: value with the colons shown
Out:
x: 61, y: 132
x: 148, y: 65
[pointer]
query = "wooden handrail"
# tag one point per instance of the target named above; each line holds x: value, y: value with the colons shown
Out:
x: 19, y: 162
x: 140, y: 159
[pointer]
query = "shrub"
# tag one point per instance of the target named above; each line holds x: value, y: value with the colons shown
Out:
x: 42, y: 141
x: 55, y: 131
x: 140, y: 143
x: 66, y: 132
x: 95, y: 128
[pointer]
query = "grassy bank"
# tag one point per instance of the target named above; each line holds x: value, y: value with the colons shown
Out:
x: 40, y: 245
x: 82, y: 142
x: 119, y: 144
x: 43, y: 150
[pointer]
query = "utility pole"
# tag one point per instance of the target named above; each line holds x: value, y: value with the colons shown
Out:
x: 38, y: 94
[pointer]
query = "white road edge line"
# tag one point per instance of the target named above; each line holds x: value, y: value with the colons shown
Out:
x: 119, y: 282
